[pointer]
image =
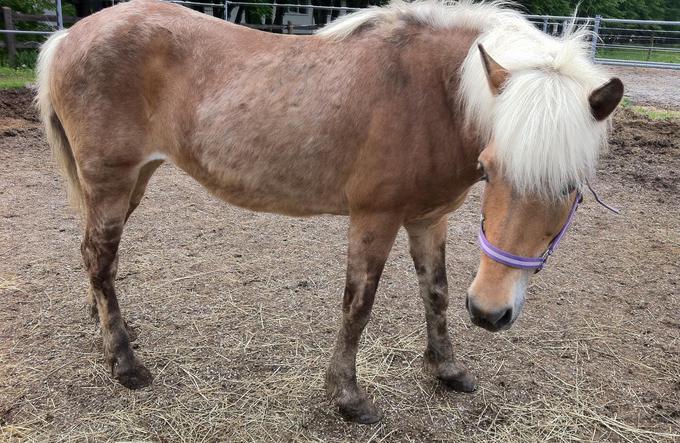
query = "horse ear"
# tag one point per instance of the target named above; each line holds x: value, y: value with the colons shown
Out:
x: 495, y: 73
x: 604, y: 99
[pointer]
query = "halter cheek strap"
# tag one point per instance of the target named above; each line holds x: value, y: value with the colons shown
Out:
x: 527, y: 263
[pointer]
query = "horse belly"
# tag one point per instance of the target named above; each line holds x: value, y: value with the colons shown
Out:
x: 271, y: 160
x: 252, y: 178
x: 281, y: 198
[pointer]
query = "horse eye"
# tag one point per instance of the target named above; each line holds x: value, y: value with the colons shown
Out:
x: 480, y: 168
x: 569, y: 189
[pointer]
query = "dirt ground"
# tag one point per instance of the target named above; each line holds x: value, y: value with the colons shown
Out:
x: 236, y: 314
x: 657, y: 87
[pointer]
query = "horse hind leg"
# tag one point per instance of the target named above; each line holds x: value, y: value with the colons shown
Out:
x: 106, y: 207
x: 143, y: 178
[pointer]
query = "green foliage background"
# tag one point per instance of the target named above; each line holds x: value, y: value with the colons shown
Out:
x: 29, y: 6
x: 37, y: 6
x: 632, y: 9
x: 635, y: 9
x: 34, y: 7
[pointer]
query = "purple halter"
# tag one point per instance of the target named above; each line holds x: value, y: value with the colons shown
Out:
x: 528, y: 263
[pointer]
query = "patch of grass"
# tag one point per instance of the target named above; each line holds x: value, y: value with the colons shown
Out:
x: 650, y: 112
x: 11, y: 78
x: 639, y: 54
x: 25, y: 58
x: 21, y: 75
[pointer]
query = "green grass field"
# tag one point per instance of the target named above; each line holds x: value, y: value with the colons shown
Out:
x: 650, y: 112
x: 11, y: 78
x: 638, y: 54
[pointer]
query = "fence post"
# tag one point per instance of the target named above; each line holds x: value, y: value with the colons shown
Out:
x: 60, y: 16
x: 226, y: 10
x: 596, y: 35
x: 289, y: 27
x: 10, y: 40
x: 545, y: 24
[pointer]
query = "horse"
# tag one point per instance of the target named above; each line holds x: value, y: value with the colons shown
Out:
x: 388, y: 116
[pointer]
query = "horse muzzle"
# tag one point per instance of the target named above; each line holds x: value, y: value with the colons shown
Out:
x: 493, y: 320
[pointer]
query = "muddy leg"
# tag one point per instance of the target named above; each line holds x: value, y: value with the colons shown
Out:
x: 92, y: 304
x: 143, y: 178
x: 370, y: 241
x: 427, y: 246
x: 104, y: 220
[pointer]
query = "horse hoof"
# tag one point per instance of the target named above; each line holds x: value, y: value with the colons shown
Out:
x: 364, y: 413
x: 134, y: 377
x: 451, y: 374
x: 463, y: 382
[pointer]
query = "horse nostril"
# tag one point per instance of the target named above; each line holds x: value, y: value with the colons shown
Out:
x: 505, y: 319
x: 491, y: 320
x: 498, y: 318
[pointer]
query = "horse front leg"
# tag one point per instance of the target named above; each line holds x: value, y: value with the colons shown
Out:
x: 427, y: 246
x: 370, y: 240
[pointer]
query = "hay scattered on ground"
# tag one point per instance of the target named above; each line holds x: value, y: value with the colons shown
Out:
x: 236, y: 315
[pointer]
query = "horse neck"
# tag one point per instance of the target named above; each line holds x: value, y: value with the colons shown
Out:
x: 407, y: 81
x: 435, y: 56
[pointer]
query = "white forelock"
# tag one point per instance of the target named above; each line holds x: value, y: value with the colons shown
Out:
x: 545, y: 135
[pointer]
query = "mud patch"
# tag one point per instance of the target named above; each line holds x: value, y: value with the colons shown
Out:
x: 646, y: 151
x: 18, y: 104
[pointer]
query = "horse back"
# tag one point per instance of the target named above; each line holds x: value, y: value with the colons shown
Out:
x: 289, y: 124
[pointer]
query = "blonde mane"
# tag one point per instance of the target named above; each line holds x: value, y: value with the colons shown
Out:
x: 546, y: 137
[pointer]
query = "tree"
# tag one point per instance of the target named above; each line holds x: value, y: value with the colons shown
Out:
x: 632, y: 9
x: 28, y: 6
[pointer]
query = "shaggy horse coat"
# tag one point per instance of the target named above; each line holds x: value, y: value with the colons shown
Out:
x: 388, y: 116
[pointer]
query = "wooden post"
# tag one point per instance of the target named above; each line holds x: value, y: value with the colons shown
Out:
x: 10, y: 39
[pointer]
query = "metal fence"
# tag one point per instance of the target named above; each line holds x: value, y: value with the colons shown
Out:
x: 622, y: 42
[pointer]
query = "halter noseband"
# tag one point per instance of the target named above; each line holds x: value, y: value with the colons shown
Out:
x: 529, y: 263
x: 535, y: 263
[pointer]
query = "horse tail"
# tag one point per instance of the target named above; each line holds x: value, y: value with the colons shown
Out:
x: 56, y: 136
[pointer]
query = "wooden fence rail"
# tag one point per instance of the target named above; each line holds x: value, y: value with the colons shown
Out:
x: 11, y: 17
